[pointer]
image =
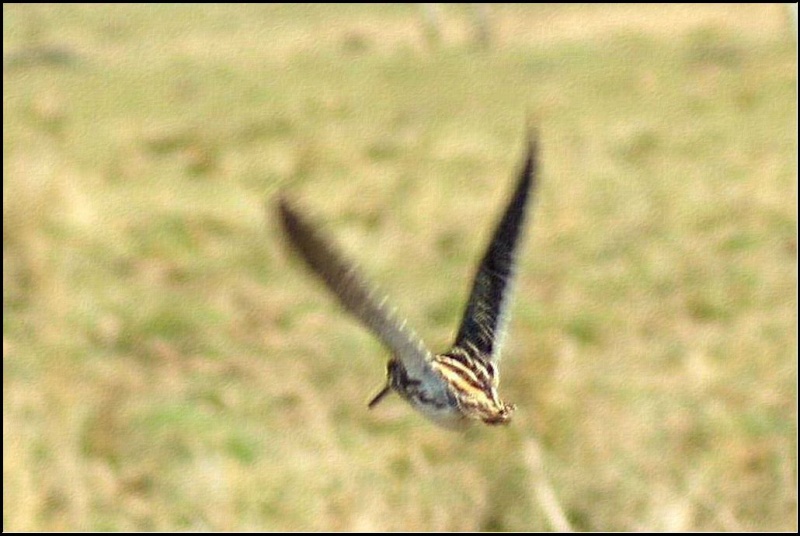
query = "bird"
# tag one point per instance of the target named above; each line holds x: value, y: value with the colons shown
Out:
x: 460, y: 386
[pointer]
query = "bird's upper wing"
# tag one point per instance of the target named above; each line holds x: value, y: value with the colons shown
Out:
x: 359, y: 297
x: 486, y: 314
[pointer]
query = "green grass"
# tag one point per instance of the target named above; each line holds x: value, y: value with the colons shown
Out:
x: 168, y: 366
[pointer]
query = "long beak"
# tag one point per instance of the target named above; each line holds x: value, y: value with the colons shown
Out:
x: 380, y: 396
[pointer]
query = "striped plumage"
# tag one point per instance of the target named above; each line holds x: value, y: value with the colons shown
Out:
x: 456, y: 387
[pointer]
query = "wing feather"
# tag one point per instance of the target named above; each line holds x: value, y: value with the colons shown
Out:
x: 352, y: 290
x: 486, y: 315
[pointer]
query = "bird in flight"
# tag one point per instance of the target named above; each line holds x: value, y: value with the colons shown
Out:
x: 459, y: 386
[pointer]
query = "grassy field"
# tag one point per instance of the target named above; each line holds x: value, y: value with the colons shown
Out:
x: 167, y: 365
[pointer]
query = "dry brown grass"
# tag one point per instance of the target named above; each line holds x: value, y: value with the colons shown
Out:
x: 167, y: 366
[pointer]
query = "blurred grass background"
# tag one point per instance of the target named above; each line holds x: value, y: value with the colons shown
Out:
x: 168, y: 366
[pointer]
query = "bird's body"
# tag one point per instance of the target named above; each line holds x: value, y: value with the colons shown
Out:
x: 459, y: 386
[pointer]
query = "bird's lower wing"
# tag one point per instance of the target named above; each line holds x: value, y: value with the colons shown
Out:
x: 353, y: 291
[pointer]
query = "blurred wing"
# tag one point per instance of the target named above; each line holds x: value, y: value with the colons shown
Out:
x: 486, y: 315
x: 351, y: 288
